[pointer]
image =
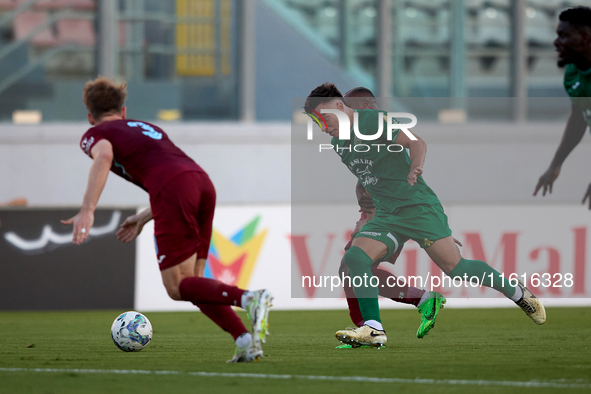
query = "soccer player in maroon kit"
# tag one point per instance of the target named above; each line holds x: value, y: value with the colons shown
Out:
x: 182, y: 203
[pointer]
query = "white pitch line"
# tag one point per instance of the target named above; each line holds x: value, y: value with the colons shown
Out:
x: 562, y: 383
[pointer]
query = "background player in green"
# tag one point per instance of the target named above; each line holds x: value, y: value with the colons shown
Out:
x: 573, y: 45
x: 406, y: 208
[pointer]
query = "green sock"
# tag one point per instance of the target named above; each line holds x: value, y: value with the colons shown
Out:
x: 359, y: 264
x: 469, y: 268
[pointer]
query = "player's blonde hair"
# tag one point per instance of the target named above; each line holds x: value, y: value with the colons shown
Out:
x: 103, y: 96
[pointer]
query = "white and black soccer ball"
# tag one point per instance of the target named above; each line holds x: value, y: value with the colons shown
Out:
x: 131, y: 331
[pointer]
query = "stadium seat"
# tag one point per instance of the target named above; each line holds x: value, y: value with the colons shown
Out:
x: 122, y: 37
x: 493, y: 27
x: 327, y: 23
x: 44, y: 5
x: 365, y: 24
x: 79, y: 5
x: 25, y: 22
x: 6, y: 5
x: 499, y: 5
x: 539, y: 28
x: 474, y: 4
x: 548, y: 6
x: 417, y: 27
x: 572, y: 3
x: 54, y: 5
x: 79, y: 31
x: 432, y: 7
x: 442, y: 26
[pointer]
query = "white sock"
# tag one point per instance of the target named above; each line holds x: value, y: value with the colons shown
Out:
x: 424, y: 298
x: 246, y: 297
x: 518, y: 294
x: 376, y: 325
x: 243, y: 340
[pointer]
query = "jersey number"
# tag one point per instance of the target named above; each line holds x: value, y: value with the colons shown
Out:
x: 148, y: 130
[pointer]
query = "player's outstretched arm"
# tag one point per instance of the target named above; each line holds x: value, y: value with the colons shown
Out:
x: 133, y: 225
x: 573, y: 133
x: 102, y: 158
x: 418, y: 152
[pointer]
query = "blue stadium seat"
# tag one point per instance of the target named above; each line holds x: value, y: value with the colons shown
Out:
x: 417, y: 27
x: 550, y: 7
x: 539, y: 28
x: 474, y: 4
x: 365, y: 22
x: 327, y: 22
x: 493, y: 27
x: 442, y: 26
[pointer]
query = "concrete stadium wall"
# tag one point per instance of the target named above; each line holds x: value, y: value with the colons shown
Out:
x: 248, y: 163
x: 251, y: 164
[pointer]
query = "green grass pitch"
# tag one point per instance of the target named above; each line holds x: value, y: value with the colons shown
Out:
x: 483, y: 350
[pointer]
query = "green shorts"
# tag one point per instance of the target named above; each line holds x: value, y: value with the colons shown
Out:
x: 422, y: 223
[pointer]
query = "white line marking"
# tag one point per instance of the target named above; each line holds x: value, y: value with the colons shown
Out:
x: 561, y: 383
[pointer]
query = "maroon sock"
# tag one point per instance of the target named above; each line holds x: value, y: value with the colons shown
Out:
x: 414, y: 295
x: 225, y: 317
x: 353, y: 304
x: 404, y: 294
x: 209, y: 291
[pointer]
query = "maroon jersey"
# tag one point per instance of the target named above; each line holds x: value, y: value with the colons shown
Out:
x: 142, y: 152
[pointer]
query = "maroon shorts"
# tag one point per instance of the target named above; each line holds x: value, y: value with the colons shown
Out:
x: 183, y: 215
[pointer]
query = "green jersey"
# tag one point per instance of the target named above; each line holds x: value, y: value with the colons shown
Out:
x: 381, y: 166
x: 578, y: 86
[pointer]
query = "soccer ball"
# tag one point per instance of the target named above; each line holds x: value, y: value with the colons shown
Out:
x: 131, y: 331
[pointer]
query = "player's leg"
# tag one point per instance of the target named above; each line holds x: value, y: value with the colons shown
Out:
x: 359, y: 259
x: 446, y: 255
x: 179, y: 281
x: 182, y: 238
x: 255, y: 303
x: 394, y: 289
x: 352, y: 303
x: 227, y: 319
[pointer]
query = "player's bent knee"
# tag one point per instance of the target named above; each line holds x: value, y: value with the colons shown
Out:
x: 174, y: 292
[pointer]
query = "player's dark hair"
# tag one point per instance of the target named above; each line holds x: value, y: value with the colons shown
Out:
x: 359, y: 91
x: 103, y: 96
x: 322, y: 94
x: 580, y: 16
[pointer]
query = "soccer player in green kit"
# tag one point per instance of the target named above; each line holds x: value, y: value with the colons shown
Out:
x: 406, y: 208
x: 428, y: 303
x: 573, y: 45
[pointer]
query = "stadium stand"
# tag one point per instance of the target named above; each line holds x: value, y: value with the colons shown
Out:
x: 79, y: 31
x: 26, y: 22
x: 6, y: 5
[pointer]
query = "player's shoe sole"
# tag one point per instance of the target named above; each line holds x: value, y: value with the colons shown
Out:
x: 363, y: 335
x: 247, y: 354
x: 349, y: 346
x: 429, y: 311
x: 531, y: 305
